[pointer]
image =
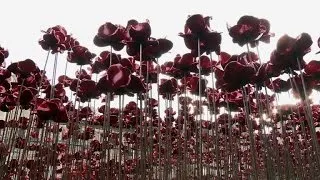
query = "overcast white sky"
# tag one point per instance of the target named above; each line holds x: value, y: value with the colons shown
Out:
x: 21, y: 21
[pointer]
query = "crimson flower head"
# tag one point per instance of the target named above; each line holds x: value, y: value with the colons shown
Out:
x: 3, y: 54
x: 87, y: 90
x: 154, y: 50
x: 23, y: 69
x: 197, y: 30
x: 117, y: 77
x: 139, y: 32
x: 278, y: 85
x: 56, y: 39
x: 193, y: 84
x: 80, y: 55
x: 313, y: 68
x: 111, y: 35
x: 168, y: 87
x: 290, y: 51
x: 250, y: 29
x: 186, y: 63
x: 236, y: 75
x: 104, y: 60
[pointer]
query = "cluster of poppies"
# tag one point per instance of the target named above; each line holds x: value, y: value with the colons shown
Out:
x: 189, y: 118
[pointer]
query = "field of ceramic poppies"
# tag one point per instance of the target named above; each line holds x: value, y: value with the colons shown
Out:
x: 204, y: 114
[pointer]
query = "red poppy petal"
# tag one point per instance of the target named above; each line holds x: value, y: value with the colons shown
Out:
x: 27, y: 66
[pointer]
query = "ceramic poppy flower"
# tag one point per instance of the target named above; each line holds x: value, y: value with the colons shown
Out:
x: 248, y: 29
x: 236, y: 74
x: 278, y: 85
x: 54, y: 39
x: 168, y: 87
x: 47, y: 110
x: 104, y: 60
x: 313, y: 68
x: 118, y: 75
x: 206, y: 65
x: 152, y: 51
x: 247, y: 58
x: 193, y: 84
x: 3, y: 54
x: 136, y: 85
x: 8, y: 102
x: 27, y: 66
x: 266, y: 35
x: 290, y: 51
x: 83, y: 74
x: 4, y: 75
x: 65, y: 80
x: 186, y: 63
x: 197, y: 29
x: 169, y: 69
x: 87, y: 90
x: 27, y: 96
x: 197, y: 24
x: 70, y: 42
x: 139, y: 32
x: 110, y: 35
x: 129, y: 63
x: 116, y: 80
x: 80, y: 55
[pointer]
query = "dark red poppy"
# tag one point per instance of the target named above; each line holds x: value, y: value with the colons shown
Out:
x: 278, y: 85
x: 87, y: 90
x: 248, y: 30
x: 193, y: 84
x: 247, y: 58
x: 8, y: 102
x: 237, y: 75
x: 65, y: 80
x: 206, y: 65
x: 139, y: 32
x: 168, y: 87
x: 118, y: 75
x: 26, y: 97
x: 154, y: 50
x: 55, y: 39
x: 186, y: 63
x: 169, y: 69
x: 129, y: 63
x: 21, y: 143
x: 80, y: 55
x: 197, y: 33
x: 3, y: 54
x: 290, y: 52
x: 104, y: 60
x: 4, y: 74
x: 136, y: 85
x: 313, y: 68
x: 27, y: 66
x: 83, y: 74
x: 110, y: 35
x: 47, y: 110
x: 197, y: 24
x: 266, y: 35
x: 70, y: 42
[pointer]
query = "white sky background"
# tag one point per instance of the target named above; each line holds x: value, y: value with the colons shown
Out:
x: 21, y: 22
